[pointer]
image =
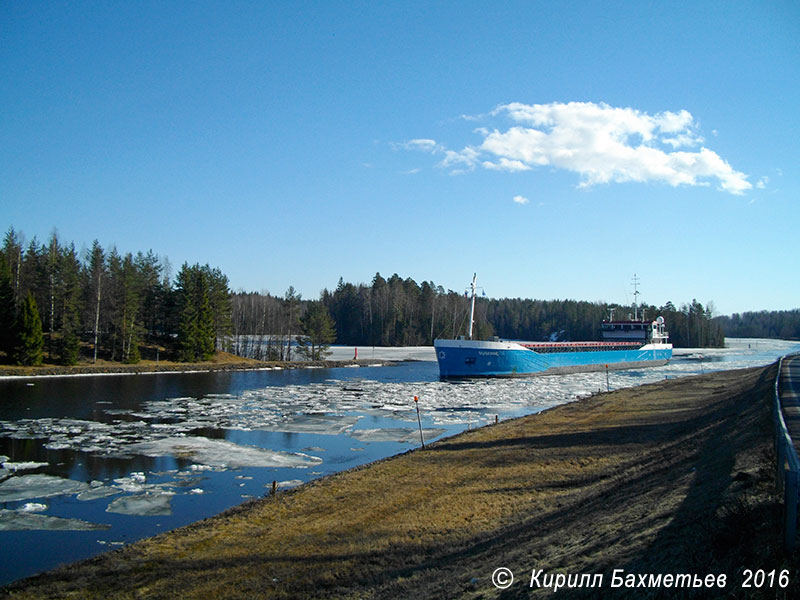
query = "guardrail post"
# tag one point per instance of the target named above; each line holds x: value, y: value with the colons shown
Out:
x: 781, y: 472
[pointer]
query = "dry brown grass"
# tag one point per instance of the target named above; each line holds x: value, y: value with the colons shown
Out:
x: 646, y: 479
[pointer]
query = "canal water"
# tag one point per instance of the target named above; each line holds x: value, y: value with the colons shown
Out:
x: 92, y: 463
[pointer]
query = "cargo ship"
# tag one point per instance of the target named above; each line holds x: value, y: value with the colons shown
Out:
x: 627, y: 344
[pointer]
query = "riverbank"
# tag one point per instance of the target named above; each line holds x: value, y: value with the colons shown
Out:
x: 671, y: 477
x: 222, y: 361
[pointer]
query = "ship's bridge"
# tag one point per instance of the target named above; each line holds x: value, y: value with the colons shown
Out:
x: 635, y: 331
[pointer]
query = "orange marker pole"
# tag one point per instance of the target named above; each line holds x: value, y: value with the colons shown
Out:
x: 416, y: 403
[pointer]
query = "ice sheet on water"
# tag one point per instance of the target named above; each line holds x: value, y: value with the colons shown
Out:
x: 17, y: 520
x: 395, y: 434
x: 23, y: 466
x: 26, y: 487
x: 314, y: 423
x: 133, y: 483
x: 33, y: 507
x: 95, y: 493
x: 150, y: 504
x: 333, y: 406
x: 222, y: 453
x: 384, y: 353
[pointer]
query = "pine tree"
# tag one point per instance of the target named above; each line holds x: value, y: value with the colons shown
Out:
x: 318, y: 330
x: 30, y: 339
x: 96, y: 274
x: 69, y: 298
x: 291, y: 305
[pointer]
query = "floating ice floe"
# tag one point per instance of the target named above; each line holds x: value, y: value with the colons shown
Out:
x: 23, y: 466
x: 133, y: 483
x: 396, y: 434
x: 26, y: 487
x: 150, y: 504
x: 222, y: 453
x: 33, y: 507
x: 314, y: 423
x: 98, y: 491
x: 17, y: 520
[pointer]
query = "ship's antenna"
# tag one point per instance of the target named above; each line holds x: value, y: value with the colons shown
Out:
x: 611, y: 314
x: 635, y: 297
x: 472, y: 306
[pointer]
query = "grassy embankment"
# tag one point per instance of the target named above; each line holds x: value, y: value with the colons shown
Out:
x: 665, y: 478
x: 222, y: 361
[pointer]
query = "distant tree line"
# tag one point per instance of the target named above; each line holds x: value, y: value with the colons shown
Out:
x: 64, y: 305
x: 781, y: 324
x: 61, y: 305
x: 400, y: 312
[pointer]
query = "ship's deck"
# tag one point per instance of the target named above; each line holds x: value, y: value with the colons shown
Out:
x: 549, y: 347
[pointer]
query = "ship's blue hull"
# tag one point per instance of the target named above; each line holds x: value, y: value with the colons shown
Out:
x: 465, y: 358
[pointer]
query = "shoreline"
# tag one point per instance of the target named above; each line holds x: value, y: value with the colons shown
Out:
x: 11, y: 373
x: 616, y: 480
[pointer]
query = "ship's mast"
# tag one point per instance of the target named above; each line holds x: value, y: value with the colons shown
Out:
x: 635, y: 297
x: 472, y: 306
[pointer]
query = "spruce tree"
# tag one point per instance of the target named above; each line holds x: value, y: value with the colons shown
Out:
x: 206, y: 333
x: 196, y: 328
x: 187, y: 314
x: 8, y: 311
x: 30, y: 339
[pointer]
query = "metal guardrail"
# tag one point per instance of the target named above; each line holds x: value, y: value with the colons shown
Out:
x: 788, y: 472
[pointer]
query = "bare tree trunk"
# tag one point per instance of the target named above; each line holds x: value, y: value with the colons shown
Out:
x: 96, y: 320
x: 52, y: 316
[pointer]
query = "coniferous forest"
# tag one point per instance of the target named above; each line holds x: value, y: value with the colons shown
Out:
x: 60, y: 305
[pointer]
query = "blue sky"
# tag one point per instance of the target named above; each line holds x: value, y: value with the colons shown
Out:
x: 555, y: 148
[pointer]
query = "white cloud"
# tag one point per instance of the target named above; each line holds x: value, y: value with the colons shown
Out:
x: 601, y: 143
x: 505, y: 164
x: 421, y: 144
x: 521, y: 200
